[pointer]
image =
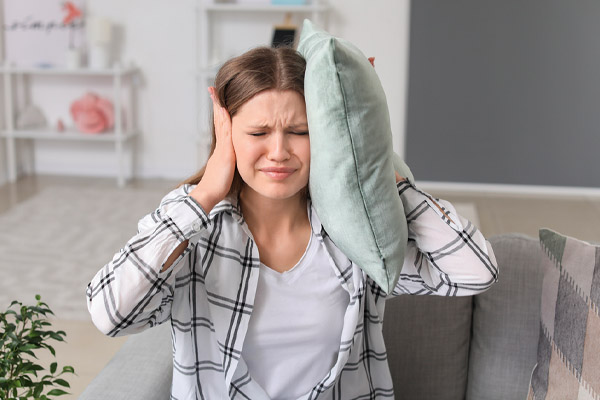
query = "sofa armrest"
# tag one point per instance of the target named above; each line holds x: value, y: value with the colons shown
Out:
x: 506, y: 322
x: 142, y: 369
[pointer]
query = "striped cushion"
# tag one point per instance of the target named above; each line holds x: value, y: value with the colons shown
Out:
x: 569, y: 347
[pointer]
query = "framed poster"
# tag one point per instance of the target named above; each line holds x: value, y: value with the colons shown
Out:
x: 39, y: 33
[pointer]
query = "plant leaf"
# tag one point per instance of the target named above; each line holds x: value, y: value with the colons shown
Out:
x: 37, y: 391
x: 51, y: 350
x: 62, y: 382
x: 57, y: 392
x: 68, y: 368
x: 53, y: 367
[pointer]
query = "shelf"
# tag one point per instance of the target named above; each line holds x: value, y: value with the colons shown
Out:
x: 69, y: 134
x: 213, y: 18
x: 120, y: 77
x: 265, y: 8
x: 69, y: 72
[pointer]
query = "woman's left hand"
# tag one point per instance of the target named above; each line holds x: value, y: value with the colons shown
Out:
x: 399, y: 178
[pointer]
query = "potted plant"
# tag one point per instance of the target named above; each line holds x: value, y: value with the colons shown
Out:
x: 23, y: 330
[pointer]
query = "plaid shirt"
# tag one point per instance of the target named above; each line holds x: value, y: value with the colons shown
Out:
x: 208, y: 293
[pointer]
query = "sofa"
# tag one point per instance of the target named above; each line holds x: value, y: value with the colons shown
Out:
x: 477, y: 348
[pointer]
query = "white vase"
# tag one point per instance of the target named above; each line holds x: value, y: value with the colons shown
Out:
x: 73, y: 59
x: 98, y: 57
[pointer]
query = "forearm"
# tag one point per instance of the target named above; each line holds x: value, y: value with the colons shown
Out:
x: 135, y: 288
x: 175, y: 255
x: 446, y: 254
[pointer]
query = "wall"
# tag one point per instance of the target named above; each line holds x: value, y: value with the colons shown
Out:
x: 158, y: 36
x: 3, y: 171
x: 505, y: 92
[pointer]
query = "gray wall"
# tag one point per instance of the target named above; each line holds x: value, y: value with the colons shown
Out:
x: 505, y: 92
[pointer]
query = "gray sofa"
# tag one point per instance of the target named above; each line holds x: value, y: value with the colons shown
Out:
x: 481, y: 347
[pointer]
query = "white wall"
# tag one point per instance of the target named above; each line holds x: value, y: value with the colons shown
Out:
x: 158, y: 36
x: 3, y: 171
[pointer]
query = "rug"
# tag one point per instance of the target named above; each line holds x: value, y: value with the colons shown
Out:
x: 53, y: 243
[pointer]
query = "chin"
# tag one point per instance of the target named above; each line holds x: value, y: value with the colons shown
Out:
x: 280, y: 192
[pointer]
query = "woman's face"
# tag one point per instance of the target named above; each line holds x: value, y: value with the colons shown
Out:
x: 270, y: 138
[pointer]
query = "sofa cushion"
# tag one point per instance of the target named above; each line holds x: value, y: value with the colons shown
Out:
x: 568, y: 361
x: 427, y: 341
x: 352, y: 182
x: 506, y: 321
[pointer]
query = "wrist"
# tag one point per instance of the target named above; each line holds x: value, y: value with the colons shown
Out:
x: 202, y: 197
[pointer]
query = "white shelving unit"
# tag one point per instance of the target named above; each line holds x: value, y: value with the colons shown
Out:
x: 119, y: 136
x: 206, y: 69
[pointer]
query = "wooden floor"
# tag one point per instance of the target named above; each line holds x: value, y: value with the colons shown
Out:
x: 88, y: 351
x: 576, y: 216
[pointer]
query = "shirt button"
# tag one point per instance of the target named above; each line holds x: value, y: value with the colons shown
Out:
x: 196, y: 226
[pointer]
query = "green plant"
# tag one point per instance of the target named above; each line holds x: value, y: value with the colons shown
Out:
x: 23, y: 330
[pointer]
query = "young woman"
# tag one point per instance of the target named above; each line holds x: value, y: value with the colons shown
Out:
x: 262, y: 303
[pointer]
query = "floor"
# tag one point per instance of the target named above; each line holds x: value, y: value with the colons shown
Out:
x: 88, y: 351
x: 577, y: 216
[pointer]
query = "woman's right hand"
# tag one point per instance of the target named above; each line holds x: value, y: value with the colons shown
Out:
x: 220, y: 168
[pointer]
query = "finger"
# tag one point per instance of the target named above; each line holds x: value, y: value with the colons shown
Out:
x: 222, y: 122
x: 225, y: 117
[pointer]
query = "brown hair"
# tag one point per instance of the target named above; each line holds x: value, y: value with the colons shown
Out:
x: 245, y: 76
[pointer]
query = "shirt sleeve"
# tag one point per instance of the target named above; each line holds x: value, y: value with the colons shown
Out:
x: 130, y: 293
x: 446, y: 254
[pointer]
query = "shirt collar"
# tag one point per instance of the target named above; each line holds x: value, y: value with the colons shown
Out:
x: 231, y: 205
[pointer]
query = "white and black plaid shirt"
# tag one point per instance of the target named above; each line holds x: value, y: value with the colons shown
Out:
x: 208, y: 293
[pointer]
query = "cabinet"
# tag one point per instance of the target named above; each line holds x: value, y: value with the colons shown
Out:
x: 119, y: 136
x: 211, y: 53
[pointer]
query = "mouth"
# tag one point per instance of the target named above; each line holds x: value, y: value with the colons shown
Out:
x: 278, y: 173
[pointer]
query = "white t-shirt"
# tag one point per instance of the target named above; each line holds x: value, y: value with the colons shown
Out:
x: 294, y: 333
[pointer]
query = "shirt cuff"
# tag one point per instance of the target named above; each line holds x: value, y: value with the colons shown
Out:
x: 416, y: 201
x: 189, y: 217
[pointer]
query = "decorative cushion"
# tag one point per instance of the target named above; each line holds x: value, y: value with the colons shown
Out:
x: 352, y: 180
x: 568, y: 361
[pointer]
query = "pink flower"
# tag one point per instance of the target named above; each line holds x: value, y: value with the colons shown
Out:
x: 92, y: 113
x: 72, y: 12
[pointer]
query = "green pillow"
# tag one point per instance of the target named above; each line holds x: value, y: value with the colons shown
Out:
x: 352, y: 182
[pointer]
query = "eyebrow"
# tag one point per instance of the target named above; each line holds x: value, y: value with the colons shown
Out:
x: 302, y: 125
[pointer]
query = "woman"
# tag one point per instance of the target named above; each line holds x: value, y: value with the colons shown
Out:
x: 262, y: 303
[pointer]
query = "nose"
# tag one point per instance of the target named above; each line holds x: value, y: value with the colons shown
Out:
x: 279, y: 150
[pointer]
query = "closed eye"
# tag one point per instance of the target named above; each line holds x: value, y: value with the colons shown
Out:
x: 299, y: 133
x: 257, y: 134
